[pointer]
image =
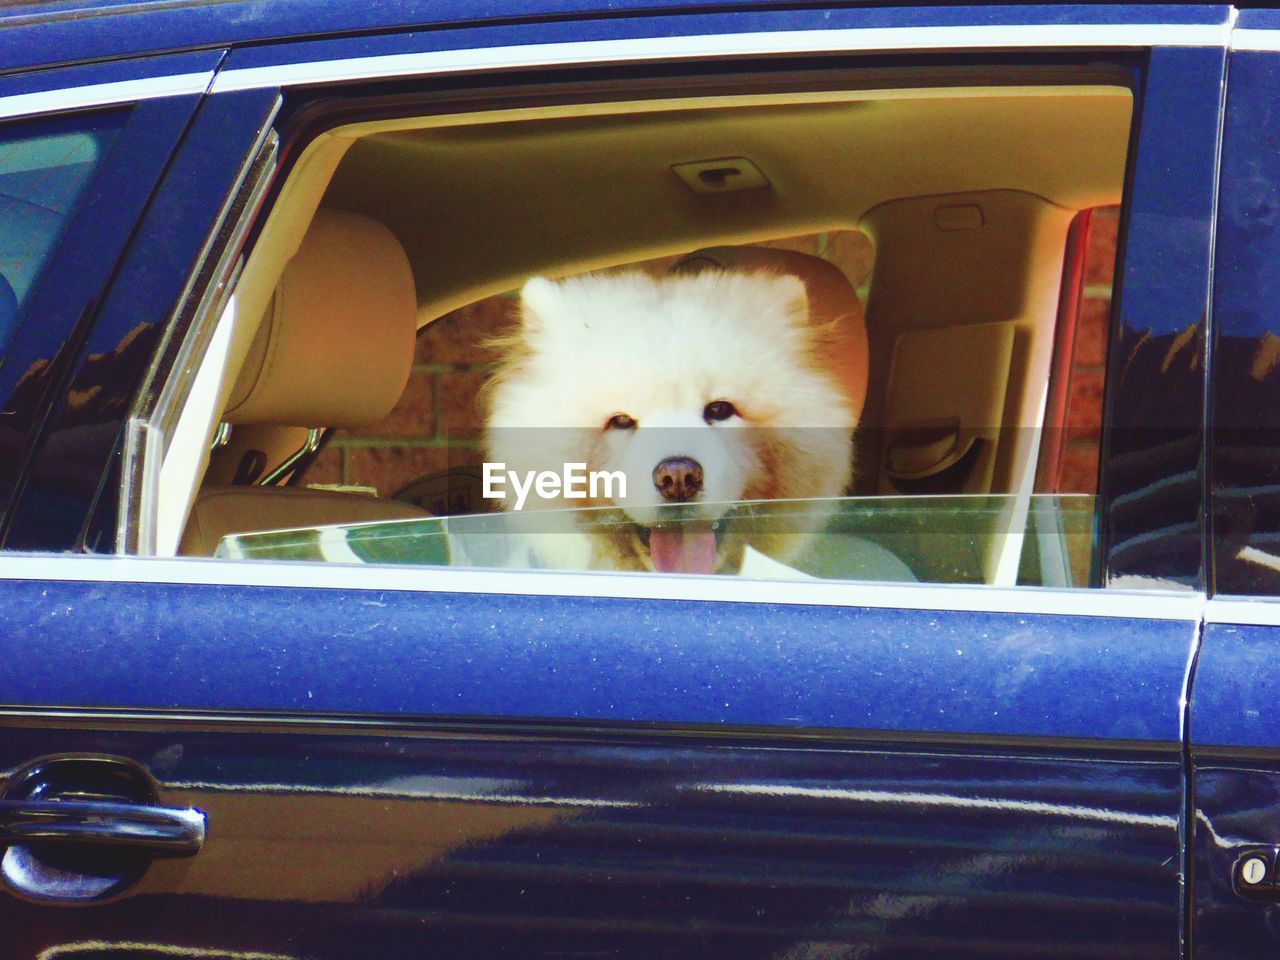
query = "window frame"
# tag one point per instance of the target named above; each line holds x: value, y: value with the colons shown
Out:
x: 157, y: 97
x: 320, y: 80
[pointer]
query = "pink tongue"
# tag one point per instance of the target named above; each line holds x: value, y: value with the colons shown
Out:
x: 683, y: 548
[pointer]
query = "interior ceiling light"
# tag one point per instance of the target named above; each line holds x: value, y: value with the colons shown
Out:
x: 722, y: 175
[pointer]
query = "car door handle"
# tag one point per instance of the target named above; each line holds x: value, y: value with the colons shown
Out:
x: 159, y: 831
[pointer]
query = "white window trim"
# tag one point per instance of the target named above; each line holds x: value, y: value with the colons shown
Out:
x: 103, y: 94
x: 182, y: 464
x: 1244, y: 611
x: 878, y: 39
x: 854, y: 39
x: 1259, y: 40
x: 968, y: 598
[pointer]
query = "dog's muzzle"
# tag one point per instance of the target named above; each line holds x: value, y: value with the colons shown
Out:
x: 678, y: 479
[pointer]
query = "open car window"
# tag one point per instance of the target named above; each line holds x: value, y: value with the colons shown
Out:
x: 889, y: 376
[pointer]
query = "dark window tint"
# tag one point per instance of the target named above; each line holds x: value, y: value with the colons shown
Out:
x: 45, y: 170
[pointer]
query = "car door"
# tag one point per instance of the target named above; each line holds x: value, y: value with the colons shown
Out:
x: 66, y: 224
x: 1232, y: 736
x: 303, y: 760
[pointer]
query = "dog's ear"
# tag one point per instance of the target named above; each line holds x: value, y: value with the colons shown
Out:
x: 790, y: 298
x: 539, y: 301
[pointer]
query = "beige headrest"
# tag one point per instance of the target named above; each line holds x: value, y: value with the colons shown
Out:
x: 832, y: 300
x: 336, y: 341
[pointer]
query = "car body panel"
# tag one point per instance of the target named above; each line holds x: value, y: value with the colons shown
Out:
x: 1235, y: 755
x: 869, y: 30
x: 73, y: 282
x: 1246, y: 323
x: 109, y: 82
x: 626, y: 843
x: 62, y: 504
x: 483, y: 768
x: 35, y: 36
x: 1234, y: 743
x: 432, y: 651
x: 1152, y: 486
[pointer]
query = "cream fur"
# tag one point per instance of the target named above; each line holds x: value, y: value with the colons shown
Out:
x: 659, y: 351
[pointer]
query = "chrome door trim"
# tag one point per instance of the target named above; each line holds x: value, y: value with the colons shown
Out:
x: 974, y: 598
x: 103, y: 94
x: 648, y: 49
x: 1243, y: 611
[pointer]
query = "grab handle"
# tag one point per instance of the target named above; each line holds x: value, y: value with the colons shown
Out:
x: 159, y: 831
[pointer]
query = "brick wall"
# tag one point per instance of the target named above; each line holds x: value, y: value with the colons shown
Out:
x: 436, y: 426
x: 1084, y: 401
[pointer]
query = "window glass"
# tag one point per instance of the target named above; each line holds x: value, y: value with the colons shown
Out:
x: 628, y: 357
x: 894, y: 539
x: 45, y: 168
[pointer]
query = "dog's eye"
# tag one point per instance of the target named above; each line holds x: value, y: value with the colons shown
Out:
x: 620, y: 421
x: 718, y: 410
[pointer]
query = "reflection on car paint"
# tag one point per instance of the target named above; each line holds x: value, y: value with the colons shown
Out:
x: 483, y: 847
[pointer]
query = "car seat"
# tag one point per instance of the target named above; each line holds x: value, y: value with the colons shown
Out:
x: 334, y: 349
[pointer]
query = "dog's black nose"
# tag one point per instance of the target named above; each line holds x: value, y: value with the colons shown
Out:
x: 678, y: 478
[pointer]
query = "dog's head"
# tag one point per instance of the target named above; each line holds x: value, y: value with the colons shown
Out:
x: 700, y: 390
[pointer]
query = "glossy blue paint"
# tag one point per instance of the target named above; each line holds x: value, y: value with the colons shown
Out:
x: 1234, y: 741
x: 1152, y: 445
x: 31, y: 38
x: 560, y: 31
x: 60, y: 78
x: 630, y: 845
x: 1237, y: 687
x: 1235, y: 750
x: 80, y: 444
x: 1246, y: 318
x: 72, y: 284
x: 626, y: 777
x: 1237, y: 808
x: 1259, y: 19
x: 428, y: 654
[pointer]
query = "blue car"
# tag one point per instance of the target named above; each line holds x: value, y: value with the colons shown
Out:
x: 282, y: 673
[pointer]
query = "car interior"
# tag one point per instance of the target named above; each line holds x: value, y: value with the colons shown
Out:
x: 967, y: 192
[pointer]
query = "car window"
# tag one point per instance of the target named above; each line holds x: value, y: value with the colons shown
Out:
x: 625, y: 360
x: 44, y: 171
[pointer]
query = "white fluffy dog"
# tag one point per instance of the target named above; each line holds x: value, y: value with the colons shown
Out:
x: 702, y: 390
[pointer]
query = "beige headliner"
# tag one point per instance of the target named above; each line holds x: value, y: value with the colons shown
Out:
x: 482, y: 201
